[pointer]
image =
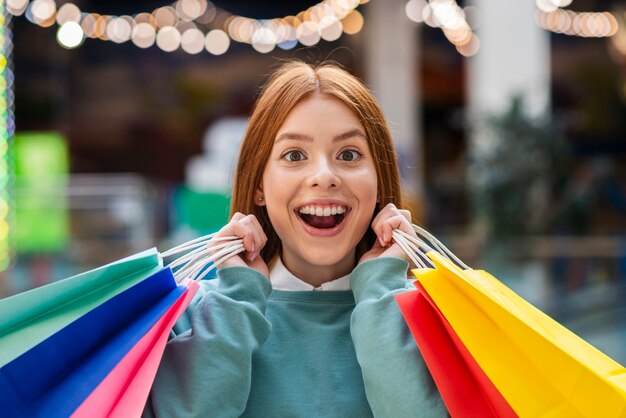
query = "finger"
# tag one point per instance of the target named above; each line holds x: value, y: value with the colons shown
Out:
x: 399, y: 218
x: 384, y: 213
x: 396, y: 222
x: 237, y: 216
x: 258, y: 235
x: 377, y: 223
x: 246, y: 233
x: 406, y: 225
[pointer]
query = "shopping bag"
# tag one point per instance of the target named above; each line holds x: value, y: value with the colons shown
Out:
x: 124, y: 392
x: 540, y: 367
x: 101, y: 333
x: 29, y: 318
x: 54, y: 377
x: 464, y: 387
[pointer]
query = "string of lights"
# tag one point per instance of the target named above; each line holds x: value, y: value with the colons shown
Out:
x: 552, y: 16
x: 194, y: 25
x: 7, y: 128
x: 450, y: 18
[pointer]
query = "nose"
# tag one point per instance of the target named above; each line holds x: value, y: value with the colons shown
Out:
x: 324, y: 174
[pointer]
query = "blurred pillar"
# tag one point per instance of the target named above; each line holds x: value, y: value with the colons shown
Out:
x: 514, y: 58
x: 391, y: 70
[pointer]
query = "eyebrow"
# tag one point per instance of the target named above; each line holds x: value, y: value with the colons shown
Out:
x: 301, y: 137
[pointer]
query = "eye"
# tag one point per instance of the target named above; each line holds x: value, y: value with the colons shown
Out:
x: 293, y: 156
x: 349, y: 155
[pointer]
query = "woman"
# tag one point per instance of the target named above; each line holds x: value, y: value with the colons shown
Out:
x: 304, y: 323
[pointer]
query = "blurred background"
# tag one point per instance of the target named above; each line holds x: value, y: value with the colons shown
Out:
x: 121, y: 123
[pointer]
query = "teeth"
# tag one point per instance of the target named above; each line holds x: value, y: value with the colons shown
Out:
x: 320, y: 211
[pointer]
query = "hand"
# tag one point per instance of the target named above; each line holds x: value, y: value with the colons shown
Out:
x: 249, y: 229
x: 388, y: 219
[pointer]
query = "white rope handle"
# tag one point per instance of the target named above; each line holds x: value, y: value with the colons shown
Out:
x: 202, y: 249
x: 195, y: 243
x: 442, y: 249
x: 406, y: 246
x: 193, y: 264
x: 197, y: 266
x: 414, y: 248
x: 218, y: 262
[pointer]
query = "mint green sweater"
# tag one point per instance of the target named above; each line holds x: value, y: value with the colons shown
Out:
x: 242, y: 349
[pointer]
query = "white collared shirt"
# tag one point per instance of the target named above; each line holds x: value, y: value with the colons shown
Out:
x: 283, y: 279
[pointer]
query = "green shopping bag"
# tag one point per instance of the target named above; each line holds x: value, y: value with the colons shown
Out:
x: 29, y: 318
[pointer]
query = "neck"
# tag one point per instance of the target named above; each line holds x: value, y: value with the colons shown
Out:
x: 316, y: 275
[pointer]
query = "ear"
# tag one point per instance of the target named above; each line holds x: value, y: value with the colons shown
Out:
x: 259, y: 199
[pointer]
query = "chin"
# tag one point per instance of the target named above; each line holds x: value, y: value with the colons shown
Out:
x: 327, y: 257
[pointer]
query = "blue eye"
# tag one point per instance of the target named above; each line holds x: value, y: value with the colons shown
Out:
x: 293, y: 156
x: 349, y: 155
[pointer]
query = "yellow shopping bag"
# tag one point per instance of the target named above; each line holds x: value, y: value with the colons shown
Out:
x: 541, y: 368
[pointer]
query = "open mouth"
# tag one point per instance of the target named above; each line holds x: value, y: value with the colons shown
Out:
x: 323, y: 217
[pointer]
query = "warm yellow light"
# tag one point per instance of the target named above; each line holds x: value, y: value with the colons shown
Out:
x: 119, y: 30
x: 192, y: 41
x: 168, y: 39
x: 165, y: 16
x: 143, y: 35
x: 330, y: 28
x: 264, y: 40
x: 308, y: 33
x: 613, y: 25
x: 4, y: 229
x: 470, y: 48
x: 42, y: 11
x: 16, y: 7
x: 4, y: 208
x: 69, y: 12
x: 217, y: 42
x: 353, y: 23
x: 189, y: 9
x: 145, y: 18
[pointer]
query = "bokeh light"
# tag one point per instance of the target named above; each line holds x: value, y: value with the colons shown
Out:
x: 192, y: 41
x: 414, y: 10
x: 7, y: 127
x: 168, y: 39
x: 217, y: 42
x: 70, y: 35
x: 143, y: 35
x: 119, y: 30
x: 16, y: 7
x: 69, y: 12
x: 353, y: 23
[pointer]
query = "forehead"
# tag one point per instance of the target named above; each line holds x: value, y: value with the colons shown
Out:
x: 320, y: 113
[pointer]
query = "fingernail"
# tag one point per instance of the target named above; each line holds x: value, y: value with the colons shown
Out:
x: 385, y: 237
x: 252, y: 246
x: 253, y: 256
x: 382, y: 242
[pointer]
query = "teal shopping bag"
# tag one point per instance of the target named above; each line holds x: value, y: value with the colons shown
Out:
x: 31, y: 317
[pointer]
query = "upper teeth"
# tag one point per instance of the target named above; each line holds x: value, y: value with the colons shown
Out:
x: 322, y: 211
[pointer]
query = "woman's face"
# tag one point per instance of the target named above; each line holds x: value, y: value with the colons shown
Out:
x: 320, y: 188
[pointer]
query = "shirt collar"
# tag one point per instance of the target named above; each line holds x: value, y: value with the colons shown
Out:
x: 283, y: 279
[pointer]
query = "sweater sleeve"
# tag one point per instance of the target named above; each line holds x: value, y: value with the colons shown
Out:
x: 397, y: 381
x: 206, y: 366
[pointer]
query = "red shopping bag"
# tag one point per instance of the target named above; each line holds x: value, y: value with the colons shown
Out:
x: 465, y: 388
